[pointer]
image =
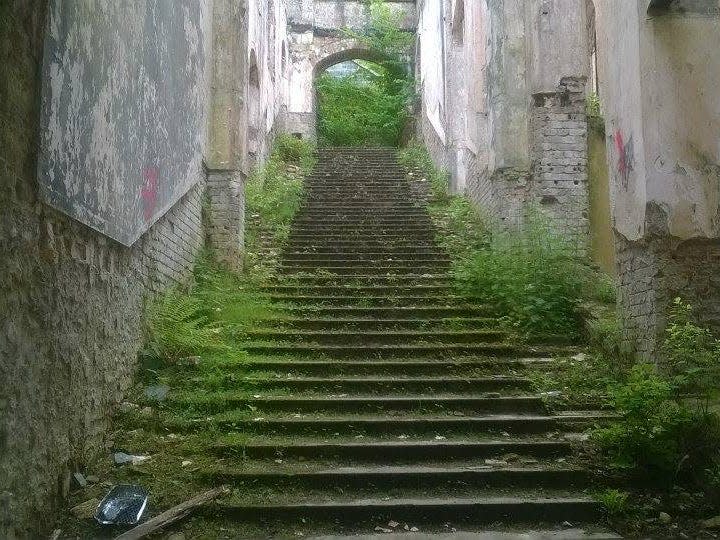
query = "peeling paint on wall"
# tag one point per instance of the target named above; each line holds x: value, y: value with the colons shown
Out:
x: 124, y: 110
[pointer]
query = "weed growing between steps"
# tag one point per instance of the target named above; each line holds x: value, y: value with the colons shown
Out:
x: 528, y: 274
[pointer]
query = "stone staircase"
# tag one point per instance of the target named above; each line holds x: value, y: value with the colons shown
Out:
x: 397, y: 401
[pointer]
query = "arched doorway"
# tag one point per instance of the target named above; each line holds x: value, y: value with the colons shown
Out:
x: 359, y: 98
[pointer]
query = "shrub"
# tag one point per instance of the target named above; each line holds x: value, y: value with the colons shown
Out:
x: 614, y: 501
x: 529, y: 278
x: 691, y: 352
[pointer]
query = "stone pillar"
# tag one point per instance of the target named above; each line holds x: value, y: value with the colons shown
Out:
x: 228, y: 127
x: 663, y: 125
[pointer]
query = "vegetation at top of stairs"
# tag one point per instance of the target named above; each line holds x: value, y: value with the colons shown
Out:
x: 370, y: 106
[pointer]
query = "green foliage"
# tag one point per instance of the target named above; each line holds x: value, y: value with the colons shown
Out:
x: 660, y: 436
x: 592, y: 105
x: 416, y: 158
x: 614, y: 501
x: 176, y: 327
x: 691, y: 352
x: 370, y: 107
x: 206, y: 319
x: 273, y: 194
x: 528, y: 276
x: 355, y: 111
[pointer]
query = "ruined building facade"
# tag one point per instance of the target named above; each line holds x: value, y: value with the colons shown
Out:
x: 128, y: 133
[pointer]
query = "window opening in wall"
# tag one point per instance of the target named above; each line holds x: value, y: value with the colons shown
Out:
x: 458, y: 23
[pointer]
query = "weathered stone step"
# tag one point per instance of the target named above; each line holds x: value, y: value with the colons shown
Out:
x: 368, y: 230
x: 405, y: 450
x: 349, y: 300
x: 367, y: 279
x: 379, y: 256
x: 475, y: 510
x: 410, y: 367
x: 392, y: 426
x: 400, y: 350
x: 309, y: 323
x: 401, y: 383
x: 369, y: 337
x: 295, y: 243
x: 384, y: 267
x: 340, y: 271
x: 465, y: 310
x: 398, y: 477
x: 224, y: 401
x: 376, y: 220
x: 357, y: 289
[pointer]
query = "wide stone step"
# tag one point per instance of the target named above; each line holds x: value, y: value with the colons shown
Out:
x: 397, y: 477
x: 345, y: 266
x: 443, y: 350
x: 368, y: 337
x: 366, y: 279
x: 474, y: 510
x: 223, y: 401
x: 308, y: 323
x: 465, y: 310
x: 383, y: 386
x: 358, y: 289
x: 349, y: 300
x: 387, y: 425
x: 379, y: 256
x: 405, y: 450
x: 408, y: 367
x: 296, y: 243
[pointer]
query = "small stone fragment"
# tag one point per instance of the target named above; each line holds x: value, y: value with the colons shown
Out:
x: 393, y: 524
x: 664, y: 518
x: 92, y: 479
x: 186, y: 462
x: 496, y: 462
x: 157, y: 393
x: 414, y: 529
x: 580, y: 357
x: 85, y: 510
x: 126, y: 407
x: 80, y: 479
x: 567, y: 524
x: 190, y: 361
x: 121, y: 458
x: 382, y: 529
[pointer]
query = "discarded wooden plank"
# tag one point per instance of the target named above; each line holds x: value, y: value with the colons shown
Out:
x: 172, y: 515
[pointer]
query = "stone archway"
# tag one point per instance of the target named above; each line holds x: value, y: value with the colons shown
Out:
x: 309, y: 60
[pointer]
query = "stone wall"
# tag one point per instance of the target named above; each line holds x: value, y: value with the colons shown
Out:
x: 72, y: 300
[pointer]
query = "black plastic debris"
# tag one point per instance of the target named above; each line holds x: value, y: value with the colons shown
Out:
x: 123, y: 505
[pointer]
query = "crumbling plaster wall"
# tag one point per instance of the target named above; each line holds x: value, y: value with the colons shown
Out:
x: 315, y: 28
x: 663, y: 127
x: 268, y: 74
x: 72, y: 299
x: 502, y: 96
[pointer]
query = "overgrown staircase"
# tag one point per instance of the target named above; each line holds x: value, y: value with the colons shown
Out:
x: 385, y: 401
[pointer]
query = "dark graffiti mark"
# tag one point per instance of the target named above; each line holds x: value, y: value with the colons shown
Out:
x: 149, y: 191
x: 626, y: 157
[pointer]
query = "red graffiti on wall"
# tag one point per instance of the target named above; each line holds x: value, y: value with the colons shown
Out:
x: 149, y: 191
x: 626, y: 157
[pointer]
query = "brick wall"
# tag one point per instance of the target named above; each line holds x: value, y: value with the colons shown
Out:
x: 72, y: 301
x: 651, y: 274
x: 559, y: 151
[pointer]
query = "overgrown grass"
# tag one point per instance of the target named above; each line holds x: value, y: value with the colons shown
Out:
x: 209, y: 317
x: 273, y: 194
